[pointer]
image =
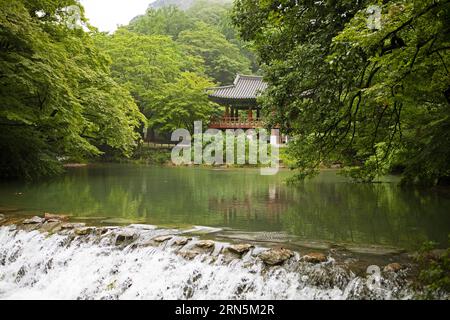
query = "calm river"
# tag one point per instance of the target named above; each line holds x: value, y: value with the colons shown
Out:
x: 326, y: 209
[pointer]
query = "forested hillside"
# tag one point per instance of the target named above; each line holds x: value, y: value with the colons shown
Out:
x: 204, y: 31
x: 72, y: 93
x: 168, y: 57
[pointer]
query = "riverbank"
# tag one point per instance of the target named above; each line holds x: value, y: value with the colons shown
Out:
x: 40, y: 255
x: 154, y: 154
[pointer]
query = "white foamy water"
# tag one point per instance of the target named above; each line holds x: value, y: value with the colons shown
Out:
x: 41, y: 266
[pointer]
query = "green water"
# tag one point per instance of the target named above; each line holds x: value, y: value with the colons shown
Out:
x: 328, y: 208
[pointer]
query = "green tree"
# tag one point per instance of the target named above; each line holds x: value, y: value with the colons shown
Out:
x: 400, y: 75
x: 143, y: 64
x: 56, y: 95
x: 169, y: 21
x: 181, y: 103
x: 222, y: 59
x: 217, y: 14
x: 169, y: 87
x: 370, y: 98
x: 204, y: 18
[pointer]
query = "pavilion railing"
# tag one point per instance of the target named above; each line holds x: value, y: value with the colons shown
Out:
x: 235, y: 123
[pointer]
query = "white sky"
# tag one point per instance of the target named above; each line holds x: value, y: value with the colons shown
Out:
x: 106, y: 15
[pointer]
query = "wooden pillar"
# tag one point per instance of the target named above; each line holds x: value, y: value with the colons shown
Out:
x: 250, y: 114
x: 232, y: 112
x: 258, y: 113
x: 227, y: 111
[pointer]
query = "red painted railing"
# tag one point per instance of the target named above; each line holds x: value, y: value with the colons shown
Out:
x: 235, y: 123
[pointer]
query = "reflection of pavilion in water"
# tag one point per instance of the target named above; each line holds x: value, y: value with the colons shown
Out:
x: 263, y: 208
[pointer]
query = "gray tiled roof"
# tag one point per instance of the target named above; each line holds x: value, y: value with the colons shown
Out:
x: 244, y: 88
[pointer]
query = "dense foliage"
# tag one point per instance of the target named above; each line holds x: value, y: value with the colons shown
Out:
x: 57, y: 97
x: 68, y: 92
x: 168, y: 86
x: 434, y: 271
x: 222, y: 59
x: 168, y: 57
x: 206, y: 32
x: 373, y: 97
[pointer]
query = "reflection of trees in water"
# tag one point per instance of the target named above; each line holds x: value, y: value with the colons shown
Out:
x: 161, y: 195
x: 367, y: 213
x: 325, y: 209
x: 260, y: 210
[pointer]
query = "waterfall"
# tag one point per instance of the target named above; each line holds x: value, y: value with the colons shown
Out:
x: 37, y: 265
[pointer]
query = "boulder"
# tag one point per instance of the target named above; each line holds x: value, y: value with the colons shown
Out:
x: 189, y: 254
x: 125, y: 237
x: 15, y: 222
x: 2, y: 217
x: 182, y: 241
x: 84, y: 231
x: 104, y: 230
x: 55, y: 217
x: 50, y: 227
x: 240, y: 249
x: 66, y: 226
x: 205, y: 244
x: 275, y: 257
x: 393, y: 267
x: 162, y: 239
x: 34, y: 220
x: 315, y: 257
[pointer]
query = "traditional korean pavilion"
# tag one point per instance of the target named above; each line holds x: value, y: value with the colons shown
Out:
x: 240, y: 101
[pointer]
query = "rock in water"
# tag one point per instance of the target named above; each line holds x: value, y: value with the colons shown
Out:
x: 125, y: 237
x: 315, y: 257
x: 50, y: 227
x: 162, y: 239
x: 205, y: 244
x: 275, y: 257
x: 393, y: 267
x: 189, y: 254
x: 73, y: 225
x: 182, y: 241
x: 240, y: 248
x: 34, y: 220
x: 55, y: 217
x: 84, y: 231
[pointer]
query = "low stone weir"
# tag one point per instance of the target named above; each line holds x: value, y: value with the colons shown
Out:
x: 50, y: 258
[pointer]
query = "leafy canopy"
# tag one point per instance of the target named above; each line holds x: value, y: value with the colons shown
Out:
x: 222, y: 60
x: 169, y: 87
x: 57, y: 96
x: 372, y: 99
x: 206, y: 32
